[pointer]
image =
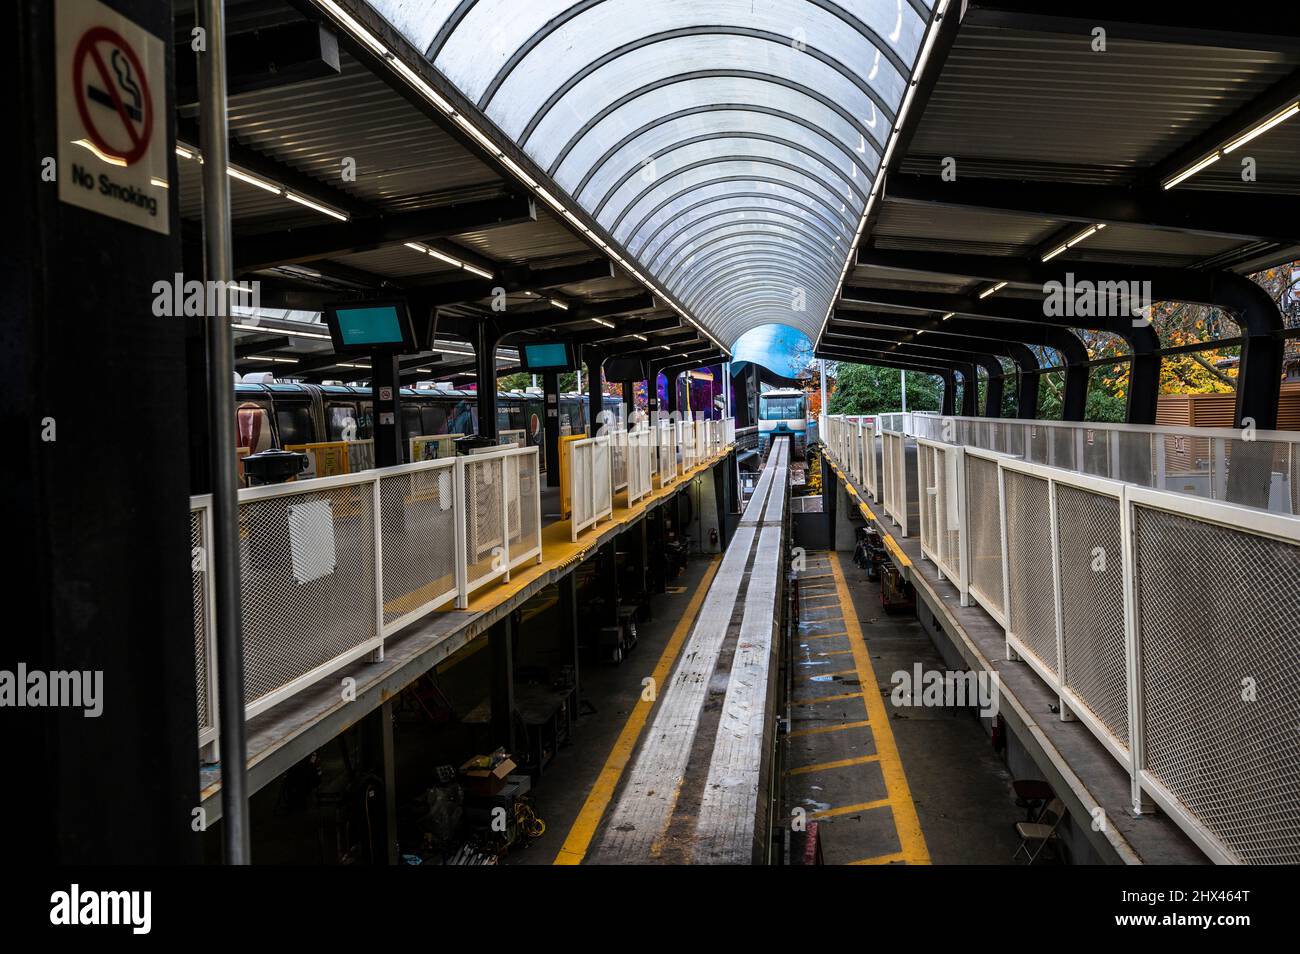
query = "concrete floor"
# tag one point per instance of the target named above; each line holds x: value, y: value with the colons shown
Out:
x: 926, y: 787
x: 613, y: 691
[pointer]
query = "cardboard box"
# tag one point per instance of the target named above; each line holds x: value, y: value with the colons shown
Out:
x: 483, y: 781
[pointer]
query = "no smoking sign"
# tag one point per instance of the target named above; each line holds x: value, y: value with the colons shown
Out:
x: 112, y: 126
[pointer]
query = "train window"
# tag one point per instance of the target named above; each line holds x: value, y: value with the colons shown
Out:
x: 341, y: 422
x: 411, y: 423
x: 434, y: 419
x: 293, y: 421
x: 781, y: 408
x: 464, y: 419
x: 364, y: 430
x: 252, y: 427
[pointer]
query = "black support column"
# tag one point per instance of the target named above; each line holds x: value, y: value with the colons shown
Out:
x: 98, y: 520
x: 551, y: 425
x: 595, y: 391
x: 486, y: 337
x: 501, y: 646
x: 386, y: 390
x: 568, y: 610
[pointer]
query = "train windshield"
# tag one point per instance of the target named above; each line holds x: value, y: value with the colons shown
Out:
x: 781, y: 408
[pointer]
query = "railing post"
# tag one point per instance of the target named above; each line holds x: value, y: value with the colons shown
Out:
x: 1004, y: 521
x: 377, y: 521
x: 1142, y: 804
x: 505, y: 510
x: 462, y: 567
x: 1066, y: 714
x: 963, y: 524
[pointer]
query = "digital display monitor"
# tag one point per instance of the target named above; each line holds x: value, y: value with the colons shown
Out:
x: 370, y: 326
x: 547, y: 356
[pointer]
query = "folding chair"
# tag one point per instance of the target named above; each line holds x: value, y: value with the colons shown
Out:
x: 1040, y: 832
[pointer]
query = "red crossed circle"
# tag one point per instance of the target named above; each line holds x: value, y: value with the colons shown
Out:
x: 86, y: 49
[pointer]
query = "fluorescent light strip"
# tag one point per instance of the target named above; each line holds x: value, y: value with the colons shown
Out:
x: 1071, y: 243
x: 992, y: 289
x: 640, y: 337
x: 450, y: 260
x: 1192, y: 170
x: 602, y: 321
x: 368, y: 39
x: 311, y: 204
x: 1263, y: 127
x: 932, y: 34
x: 243, y: 176
x: 279, y: 331
x: 559, y: 304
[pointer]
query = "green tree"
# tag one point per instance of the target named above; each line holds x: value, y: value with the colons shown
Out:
x: 867, y: 389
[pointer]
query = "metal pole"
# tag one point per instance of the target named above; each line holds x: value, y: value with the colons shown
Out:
x: 821, y: 370
x: 903, y: 376
x: 224, y: 546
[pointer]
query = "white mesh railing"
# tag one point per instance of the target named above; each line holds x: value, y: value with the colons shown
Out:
x: 1167, y: 624
x: 940, y: 474
x: 1217, y: 644
x: 638, y: 464
x: 332, y: 566
x: 418, y: 504
x: 617, y: 454
x: 871, y: 459
x: 1190, y: 460
x: 982, y: 503
x: 667, y: 452
x: 894, y: 480
x: 590, y: 493
x: 309, y: 583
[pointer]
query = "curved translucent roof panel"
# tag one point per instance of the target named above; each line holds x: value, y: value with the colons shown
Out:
x: 729, y: 145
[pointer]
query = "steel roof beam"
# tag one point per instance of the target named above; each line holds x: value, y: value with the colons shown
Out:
x: 1236, y: 215
x: 323, y: 241
x: 1184, y: 24
x: 512, y: 280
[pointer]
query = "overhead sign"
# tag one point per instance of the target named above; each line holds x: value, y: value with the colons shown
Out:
x: 112, y: 121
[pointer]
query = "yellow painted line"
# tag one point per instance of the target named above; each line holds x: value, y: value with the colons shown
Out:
x: 851, y: 809
x: 821, y: 699
x: 584, y: 826
x: 881, y: 859
x: 910, y: 836
x: 823, y: 729
x: 838, y: 763
x: 866, y: 511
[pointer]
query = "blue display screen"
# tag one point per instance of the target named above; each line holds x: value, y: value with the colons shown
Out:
x: 546, y: 355
x: 381, y: 325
